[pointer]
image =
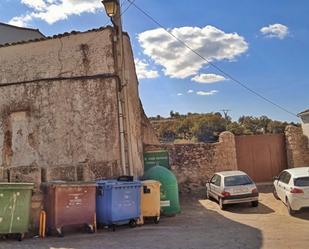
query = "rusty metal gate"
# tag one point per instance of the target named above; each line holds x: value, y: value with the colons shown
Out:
x: 261, y: 156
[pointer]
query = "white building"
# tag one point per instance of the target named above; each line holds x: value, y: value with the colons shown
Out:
x: 10, y: 34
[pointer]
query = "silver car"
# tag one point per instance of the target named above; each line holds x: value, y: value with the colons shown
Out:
x: 230, y: 187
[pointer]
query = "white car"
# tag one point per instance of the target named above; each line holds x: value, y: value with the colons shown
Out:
x: 230, y: 187
x: 292, y: 187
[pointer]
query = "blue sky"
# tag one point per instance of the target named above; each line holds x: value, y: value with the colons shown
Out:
x: 261, y: 43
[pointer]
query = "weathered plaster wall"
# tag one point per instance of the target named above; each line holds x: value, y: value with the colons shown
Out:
x: 60, y: 123
x: 297, y: 147
x: 133, y: 111
x: 86, y: 53
x: 148, y: 133
x: 194, y: 164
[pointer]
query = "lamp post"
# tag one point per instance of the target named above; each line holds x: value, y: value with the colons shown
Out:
x: 113, y: 10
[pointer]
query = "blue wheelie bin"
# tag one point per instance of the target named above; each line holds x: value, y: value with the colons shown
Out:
x: 118, y: 202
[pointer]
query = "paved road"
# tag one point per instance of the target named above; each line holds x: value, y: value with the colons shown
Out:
x: 201, y: 225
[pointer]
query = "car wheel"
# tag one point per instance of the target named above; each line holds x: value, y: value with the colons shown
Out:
x: 290, y: 210
x: 254, y: 203
x: 222, y: 206
x: 275, y: 194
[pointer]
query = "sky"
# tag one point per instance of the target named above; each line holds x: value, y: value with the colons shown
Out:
x: 262, y: 44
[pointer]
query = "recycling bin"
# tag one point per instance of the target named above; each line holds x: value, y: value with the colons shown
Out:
x: 118, y: 202
x: 15, y: 205
x: 150, y: 200
x: 169, y: 189
x: 69, y: 204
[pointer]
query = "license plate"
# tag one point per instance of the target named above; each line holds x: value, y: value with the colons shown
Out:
x: 240, y: 190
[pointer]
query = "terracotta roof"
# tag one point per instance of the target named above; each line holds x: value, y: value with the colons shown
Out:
x: 55, y: 36
x: 304, y: 112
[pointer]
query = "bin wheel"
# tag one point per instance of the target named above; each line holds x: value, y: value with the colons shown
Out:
x: 20, y: 236
x: 114, y: 227
x: 132, y: 223
x: 59, y: 232
x: 156, y: 219
x: 89, y: 228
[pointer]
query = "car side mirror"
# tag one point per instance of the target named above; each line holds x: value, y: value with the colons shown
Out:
x: 275, y: 178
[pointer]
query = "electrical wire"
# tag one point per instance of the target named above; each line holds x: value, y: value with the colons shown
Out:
x: 227, y: 75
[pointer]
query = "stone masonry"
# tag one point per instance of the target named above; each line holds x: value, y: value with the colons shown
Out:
x: 297, y: 147
x: 194, y: 164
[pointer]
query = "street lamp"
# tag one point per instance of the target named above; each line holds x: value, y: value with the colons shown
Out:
x: 111, y: 7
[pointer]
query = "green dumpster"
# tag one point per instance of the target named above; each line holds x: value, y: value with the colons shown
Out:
x: 153, y: 158
x: 169, y: 189
x: 15, y: 204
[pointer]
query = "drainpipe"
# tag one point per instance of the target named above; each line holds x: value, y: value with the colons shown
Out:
x: 122, y: 93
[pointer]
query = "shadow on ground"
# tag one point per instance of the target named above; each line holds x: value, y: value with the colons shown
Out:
x: 195, y: 228
x: 302, y: 214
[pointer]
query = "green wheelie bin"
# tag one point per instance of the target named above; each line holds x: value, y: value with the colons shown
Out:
x: 15, y: 204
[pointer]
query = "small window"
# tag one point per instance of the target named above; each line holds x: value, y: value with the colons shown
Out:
x: 282, y: 176
x: 301, y: 182
x: 218, y: 181
x: 214, y: 179
x: 286, y: 178
x: 237, y: 180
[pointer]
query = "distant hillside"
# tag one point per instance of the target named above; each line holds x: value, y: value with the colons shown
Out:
x: 206, y: 127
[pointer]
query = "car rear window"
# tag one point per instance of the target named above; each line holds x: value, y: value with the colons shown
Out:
x: 302, y: 182
x: 237, y: 180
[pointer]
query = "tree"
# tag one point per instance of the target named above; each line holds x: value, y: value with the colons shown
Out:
x: 236, y: 128
x: 208, y: 127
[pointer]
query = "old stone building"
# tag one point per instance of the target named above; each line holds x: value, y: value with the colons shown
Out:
x: 59, y: 109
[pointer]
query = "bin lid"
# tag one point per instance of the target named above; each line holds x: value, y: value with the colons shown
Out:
x: 151, y: 182
x: 115, y: 183
x: 16, y: 185
x: 69, y: 184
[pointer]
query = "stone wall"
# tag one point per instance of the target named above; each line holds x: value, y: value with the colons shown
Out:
x: 194, y: 164
x: 297, y: 147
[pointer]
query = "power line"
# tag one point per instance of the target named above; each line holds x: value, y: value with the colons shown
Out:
x: 227, y: 75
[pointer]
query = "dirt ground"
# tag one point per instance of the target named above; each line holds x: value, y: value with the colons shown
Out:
x: 201, y: 225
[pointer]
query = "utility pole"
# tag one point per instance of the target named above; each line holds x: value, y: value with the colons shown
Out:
x: 113, y: 10
x: 225, y: 113
x: 226, y: 116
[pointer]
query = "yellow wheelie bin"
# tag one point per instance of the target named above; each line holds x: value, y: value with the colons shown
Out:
x: 150, y: 201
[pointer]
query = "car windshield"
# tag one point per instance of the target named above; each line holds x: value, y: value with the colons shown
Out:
x: 237, y: 180
x: 301, y: 182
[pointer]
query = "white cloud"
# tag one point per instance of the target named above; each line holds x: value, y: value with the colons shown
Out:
x: 179, y: 94
x: 180, y: 62
x: 20, y: 21
x: 203, y: 93
x: 208, y: 78
x: 275, y: 30
x: 35, y: 4
x: 143, y: 71
x: 52, y: 11
x: 190, y: 91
